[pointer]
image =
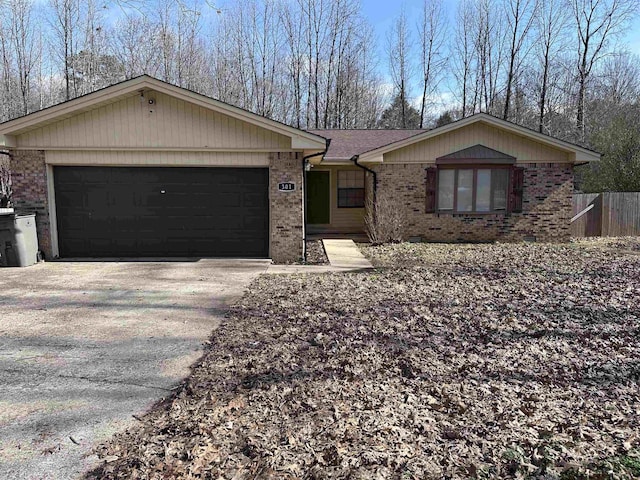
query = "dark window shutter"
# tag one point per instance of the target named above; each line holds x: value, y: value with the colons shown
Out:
x: 517, y: 187
x: 431, y: 190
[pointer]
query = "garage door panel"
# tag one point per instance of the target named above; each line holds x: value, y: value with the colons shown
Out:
x: 252, y: 199
x: 73, y: 176
x: 254, y: 222
x: 121, y: 211
x: 68, y: 200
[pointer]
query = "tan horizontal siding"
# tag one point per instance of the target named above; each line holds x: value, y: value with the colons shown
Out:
x: 173, y: 124
x: 525, y: 150
x: 347, y: 220
x: 232, y: 159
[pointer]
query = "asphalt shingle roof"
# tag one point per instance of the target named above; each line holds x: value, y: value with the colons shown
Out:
x: 347, y: 143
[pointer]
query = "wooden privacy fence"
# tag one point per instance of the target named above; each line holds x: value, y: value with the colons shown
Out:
x: 611, y: 214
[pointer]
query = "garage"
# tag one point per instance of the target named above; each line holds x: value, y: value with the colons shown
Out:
x: 162, y: 212
x: 144, y: 168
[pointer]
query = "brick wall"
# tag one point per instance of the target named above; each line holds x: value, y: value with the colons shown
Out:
x: 547, y: 206
x: 286, y: 208
x: 29, y: 177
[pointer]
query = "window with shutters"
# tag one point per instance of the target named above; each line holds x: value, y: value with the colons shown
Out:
x: 351, y: 189
x: 474, y: 189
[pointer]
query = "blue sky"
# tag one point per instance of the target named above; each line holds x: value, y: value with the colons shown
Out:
x: 382, y: 12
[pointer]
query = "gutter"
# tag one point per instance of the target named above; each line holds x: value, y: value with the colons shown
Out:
x: 355, y: 159
x: 305, y: 161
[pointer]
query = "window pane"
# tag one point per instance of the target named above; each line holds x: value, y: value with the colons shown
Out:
x: 465, y: 190
x: 500, y: 186
x: 351, y: 179
x: 445, y: 189
x: 483, y: 190
x: 351, y: 197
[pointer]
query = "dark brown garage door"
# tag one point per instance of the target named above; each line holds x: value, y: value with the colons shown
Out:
x: 151, y: 212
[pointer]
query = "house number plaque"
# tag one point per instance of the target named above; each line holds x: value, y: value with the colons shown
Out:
x: 286, y: 187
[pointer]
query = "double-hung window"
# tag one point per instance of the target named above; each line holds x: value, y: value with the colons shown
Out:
x: 468, y: 189
x: 351, y: 189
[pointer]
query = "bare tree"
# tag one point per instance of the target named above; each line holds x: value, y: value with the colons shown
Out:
x: 65, y: 22
x: 432, y: 31
x: 23, y: 39
x: 294, y: 34
x: 597, y: 22
x: 6, y: 79
x: 520, y: 18
x: 134, y: 46
x: 489, y: 51
x: 619, y: 79
x: 313, y: 63
x: 551, y: 22
x: 399, y: 51
x: 464, y: 58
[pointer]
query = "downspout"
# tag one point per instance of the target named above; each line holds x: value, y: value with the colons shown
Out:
x: 305, y: 161
x: 354, y: 159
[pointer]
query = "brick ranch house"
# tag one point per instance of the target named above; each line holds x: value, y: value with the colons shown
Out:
x: 145, y: 168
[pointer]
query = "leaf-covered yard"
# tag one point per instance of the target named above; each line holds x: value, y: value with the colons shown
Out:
x: 447, y: 361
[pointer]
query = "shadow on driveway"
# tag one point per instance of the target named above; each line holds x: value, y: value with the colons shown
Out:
x: 86, y: 345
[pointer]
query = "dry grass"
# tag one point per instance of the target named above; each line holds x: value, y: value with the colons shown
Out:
x: 487, y: 361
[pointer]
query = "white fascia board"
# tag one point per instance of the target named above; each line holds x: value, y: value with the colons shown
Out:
x: 301, y: 143
x: 581, y: 157
x: 371, y: 159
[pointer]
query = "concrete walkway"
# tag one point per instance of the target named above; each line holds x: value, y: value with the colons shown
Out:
x: 343, y: 253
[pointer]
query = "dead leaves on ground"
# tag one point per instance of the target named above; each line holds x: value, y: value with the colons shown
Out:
x: 490, y: 361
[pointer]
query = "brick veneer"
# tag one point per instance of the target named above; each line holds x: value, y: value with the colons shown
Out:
x: 286, y: 208
x: 547, y: 206
x: 29, y: 179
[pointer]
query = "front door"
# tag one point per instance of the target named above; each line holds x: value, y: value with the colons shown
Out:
x: 318, y: 197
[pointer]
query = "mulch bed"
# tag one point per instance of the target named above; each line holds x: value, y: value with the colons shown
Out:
x: 315, y: 253
x: 487, y: 361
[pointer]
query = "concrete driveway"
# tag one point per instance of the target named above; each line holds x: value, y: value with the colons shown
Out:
x: 86, y: 345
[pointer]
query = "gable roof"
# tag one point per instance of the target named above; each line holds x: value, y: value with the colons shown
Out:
x: 582, y: 154
x: 300, y: 139
x: 347, y: 143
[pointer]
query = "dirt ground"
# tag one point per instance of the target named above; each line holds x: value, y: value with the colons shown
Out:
x: 84, y: 346
x: 447, y: 361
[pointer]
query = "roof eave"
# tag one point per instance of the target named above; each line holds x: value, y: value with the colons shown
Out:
x: 300, y: 139
x: 70, y: 106
x: 581, y: 154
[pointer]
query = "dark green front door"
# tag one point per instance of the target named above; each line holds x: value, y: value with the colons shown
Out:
x: 318, y: 198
